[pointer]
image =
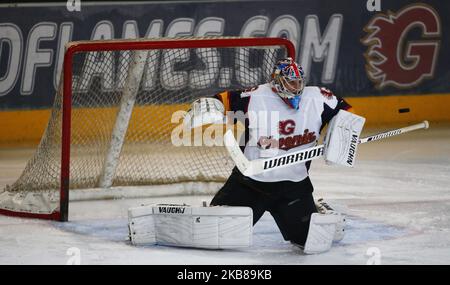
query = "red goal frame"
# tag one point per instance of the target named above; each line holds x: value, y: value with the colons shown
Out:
x: 114, y: 45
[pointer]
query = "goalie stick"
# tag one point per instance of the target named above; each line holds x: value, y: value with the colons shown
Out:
x: 257, y: 166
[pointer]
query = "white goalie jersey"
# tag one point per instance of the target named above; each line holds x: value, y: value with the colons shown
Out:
x: 273, y: 128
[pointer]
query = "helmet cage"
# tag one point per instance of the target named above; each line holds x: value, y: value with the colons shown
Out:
x: 288, y: 79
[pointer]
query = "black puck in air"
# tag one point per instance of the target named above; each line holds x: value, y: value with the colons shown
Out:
x: 403, y: 110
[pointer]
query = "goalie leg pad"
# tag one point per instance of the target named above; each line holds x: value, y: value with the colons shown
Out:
x: 342, y: 138
x: 325, y: 208
x: 141, y: 226
x: 182, y: 225
x: 321, y: 233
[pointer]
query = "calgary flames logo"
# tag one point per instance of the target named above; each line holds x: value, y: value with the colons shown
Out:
x: 391, y: 59
x: 286, y: 127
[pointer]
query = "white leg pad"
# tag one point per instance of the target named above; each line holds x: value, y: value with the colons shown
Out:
x: 340, y: 228
x: 325, y: 208
x: 182, y: 225
x: 321, y: 233
x: 142, y: 230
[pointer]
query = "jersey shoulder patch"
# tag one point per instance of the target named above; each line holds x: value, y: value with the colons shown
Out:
x: 260, y: 90
x: 248, y: 91
x: 313, y: 92
x: 320, y: 94
x: 326, y: 93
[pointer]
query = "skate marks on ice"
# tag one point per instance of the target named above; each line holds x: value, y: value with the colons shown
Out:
x: 359, y: 230
x: 112, y: 230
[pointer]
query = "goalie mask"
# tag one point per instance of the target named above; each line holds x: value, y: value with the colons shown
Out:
x: 288, y: 81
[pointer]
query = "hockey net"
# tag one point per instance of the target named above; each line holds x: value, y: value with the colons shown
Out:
x: 113, y: 117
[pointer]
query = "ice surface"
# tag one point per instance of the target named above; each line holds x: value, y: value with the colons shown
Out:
x: 397, y: 201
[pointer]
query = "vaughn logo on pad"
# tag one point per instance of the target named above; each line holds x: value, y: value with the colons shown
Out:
x: 352, y: 150
x: 171, y: 210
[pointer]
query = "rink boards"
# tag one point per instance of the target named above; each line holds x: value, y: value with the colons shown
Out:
x: 27, y: 127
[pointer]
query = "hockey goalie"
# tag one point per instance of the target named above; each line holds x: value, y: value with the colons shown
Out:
x: 296, y: 115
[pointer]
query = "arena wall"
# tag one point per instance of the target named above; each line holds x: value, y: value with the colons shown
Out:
x: 389, y: 64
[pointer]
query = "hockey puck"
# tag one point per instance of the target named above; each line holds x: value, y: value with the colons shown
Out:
x: 403, y: 110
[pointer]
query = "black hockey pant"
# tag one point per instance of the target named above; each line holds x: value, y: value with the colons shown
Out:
x: 290, y: 203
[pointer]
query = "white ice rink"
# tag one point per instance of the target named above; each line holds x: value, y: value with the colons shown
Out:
x: 397, y: 201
